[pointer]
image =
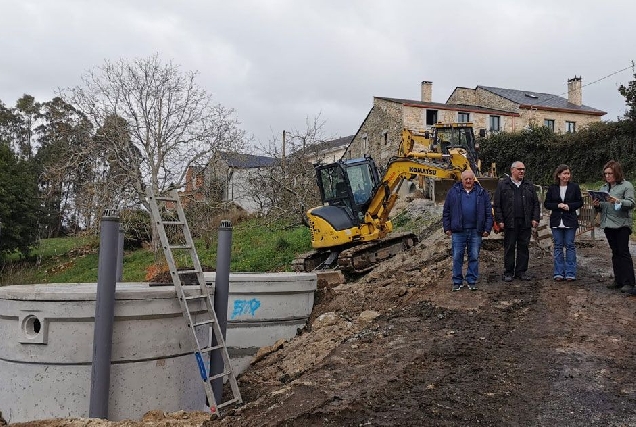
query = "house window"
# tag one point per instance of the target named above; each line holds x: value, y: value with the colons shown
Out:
x: 385, y: 136
x: 463, y: 117
x: 570, y: 127
x: 549, y: 124
x: 495, y: 123
x: 431, y: 117
x: 365, y: 147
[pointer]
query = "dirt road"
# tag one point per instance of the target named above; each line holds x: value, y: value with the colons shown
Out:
x: 398, y: 348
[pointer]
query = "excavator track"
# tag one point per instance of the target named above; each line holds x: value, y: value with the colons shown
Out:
x: 357, y: 259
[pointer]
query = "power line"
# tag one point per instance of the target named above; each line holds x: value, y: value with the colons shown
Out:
x: 534, y: 107
x: 596, y: 81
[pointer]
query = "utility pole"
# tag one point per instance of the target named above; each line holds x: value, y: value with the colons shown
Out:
x: 283, y: 160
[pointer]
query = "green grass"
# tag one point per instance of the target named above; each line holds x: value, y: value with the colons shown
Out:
x: 256, y: 247
x: 259, y: 247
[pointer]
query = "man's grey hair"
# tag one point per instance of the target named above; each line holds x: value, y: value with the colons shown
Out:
x: 468, y: 173
x: 515, y: 164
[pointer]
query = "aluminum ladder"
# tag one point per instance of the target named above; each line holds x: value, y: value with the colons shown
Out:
x: 176, y: 240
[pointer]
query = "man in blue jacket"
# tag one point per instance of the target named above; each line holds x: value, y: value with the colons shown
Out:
x: 467, y: 218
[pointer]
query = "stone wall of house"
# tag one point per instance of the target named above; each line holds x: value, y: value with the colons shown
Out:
x: 490, y: 100
x: 379, y: 134
x: 463, y: 95
x: 537, y: 117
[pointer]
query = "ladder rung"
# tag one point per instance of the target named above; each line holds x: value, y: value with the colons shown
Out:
x: 221, y: 375
x: 209, y: 349
x: 205, y: 322
x: 195, y: 297
x: 180, y: 247
x: 229, y: 402
x: 166, y: 199
x: 187, y: 271
x: 173, y: 223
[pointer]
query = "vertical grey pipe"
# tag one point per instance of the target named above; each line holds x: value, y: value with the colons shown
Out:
x: 120, y: 255
x: 221, y: 295
x: 104, y: 317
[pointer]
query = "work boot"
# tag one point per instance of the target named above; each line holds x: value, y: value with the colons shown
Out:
x: 627, y: 288
x: 632, y: 292
x: 524, y: 276
x: 507, y: 278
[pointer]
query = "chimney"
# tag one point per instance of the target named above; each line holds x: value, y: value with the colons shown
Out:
x: 427, y: 91
x: 575, y: 95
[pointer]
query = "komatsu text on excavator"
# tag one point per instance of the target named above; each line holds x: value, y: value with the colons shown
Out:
x: 352, y: 229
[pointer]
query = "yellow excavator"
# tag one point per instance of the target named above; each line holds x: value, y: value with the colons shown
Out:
x: 351, y: 230
x: 440, y: 139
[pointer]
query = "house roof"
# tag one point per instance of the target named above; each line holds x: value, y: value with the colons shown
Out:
x: 540, y: 100
x: 333, y: 144
x: 247, y: 161
x: 452, y: 107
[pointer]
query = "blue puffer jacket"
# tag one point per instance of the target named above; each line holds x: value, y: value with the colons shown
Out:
x: 452, y: 217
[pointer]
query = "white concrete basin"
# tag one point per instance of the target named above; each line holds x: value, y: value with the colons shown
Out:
x: 47, y: 342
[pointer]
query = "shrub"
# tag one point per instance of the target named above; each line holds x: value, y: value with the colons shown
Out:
x: 136, y: 226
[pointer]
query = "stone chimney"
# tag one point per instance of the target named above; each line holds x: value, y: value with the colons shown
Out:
x: 427, y: 91
x: 575, y: 95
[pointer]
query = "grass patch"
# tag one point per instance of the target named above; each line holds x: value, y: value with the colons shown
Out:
x: 257, y: 246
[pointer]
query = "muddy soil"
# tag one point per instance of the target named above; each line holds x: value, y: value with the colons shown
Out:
x: 397, y: 348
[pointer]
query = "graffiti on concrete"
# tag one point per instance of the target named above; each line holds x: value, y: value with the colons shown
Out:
x: 244, y: 306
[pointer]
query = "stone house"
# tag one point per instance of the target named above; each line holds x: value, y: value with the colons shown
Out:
x: 533, y: 108
x: 489, y: 108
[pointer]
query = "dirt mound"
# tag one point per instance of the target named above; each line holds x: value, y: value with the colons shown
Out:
x: 397, y: 347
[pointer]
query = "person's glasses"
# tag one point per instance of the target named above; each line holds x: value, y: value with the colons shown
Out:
x: 608, y: 173
x: 520, y: 169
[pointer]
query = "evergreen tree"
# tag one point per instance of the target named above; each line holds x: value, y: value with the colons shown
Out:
x: 629, y: 92
x: 19, y: 203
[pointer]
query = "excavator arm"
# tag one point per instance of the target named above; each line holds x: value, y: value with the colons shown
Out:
x: 401, y: 169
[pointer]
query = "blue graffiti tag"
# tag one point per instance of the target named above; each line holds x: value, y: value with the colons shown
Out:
x: 243, y: 306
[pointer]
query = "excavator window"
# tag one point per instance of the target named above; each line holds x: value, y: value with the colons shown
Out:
x: 341, y: 189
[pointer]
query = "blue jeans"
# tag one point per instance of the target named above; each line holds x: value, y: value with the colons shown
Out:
x: 564, y: 265
x: 467, y: 241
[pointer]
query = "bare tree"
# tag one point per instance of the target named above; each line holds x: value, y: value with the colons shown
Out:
x: 155, y: 122
x: 287, y: 190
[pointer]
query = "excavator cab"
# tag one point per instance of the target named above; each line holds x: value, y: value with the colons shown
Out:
x: 348, y: 184
x: 459, y: 136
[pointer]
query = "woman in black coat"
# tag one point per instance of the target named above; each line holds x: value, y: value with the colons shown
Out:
x: 563, y: 198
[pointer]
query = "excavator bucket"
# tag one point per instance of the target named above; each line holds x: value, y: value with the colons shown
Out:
x: 489, y: 184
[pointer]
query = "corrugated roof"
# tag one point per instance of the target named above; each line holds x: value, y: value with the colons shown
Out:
x: 538, y: 99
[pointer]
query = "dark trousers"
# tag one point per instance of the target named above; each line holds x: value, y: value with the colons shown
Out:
x: 618, y: 239
x: 516, y: 252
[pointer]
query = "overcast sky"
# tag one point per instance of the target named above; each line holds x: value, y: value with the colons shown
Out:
x: 277, y: 62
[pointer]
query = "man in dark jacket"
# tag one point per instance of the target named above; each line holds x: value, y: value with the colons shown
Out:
x: 517, y: 211
x: 467, y: 218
